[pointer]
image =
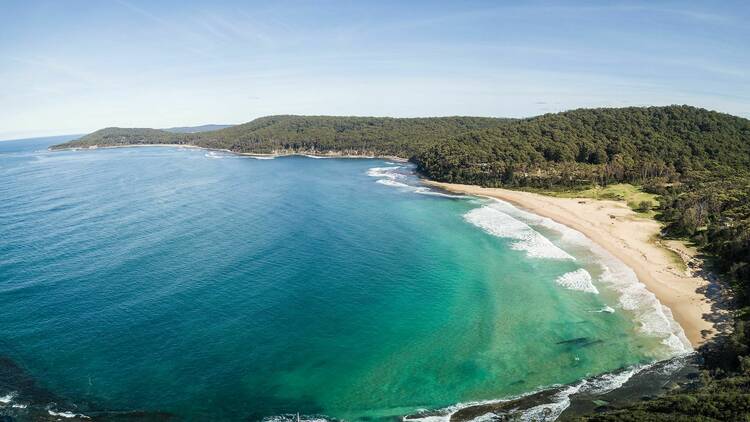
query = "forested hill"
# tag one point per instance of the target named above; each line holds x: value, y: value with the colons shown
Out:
x: 592, y: 146
x: 576, y: 147
x: 403, y: 137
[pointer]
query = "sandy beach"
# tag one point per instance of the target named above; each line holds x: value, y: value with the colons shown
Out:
x: 630, y: 238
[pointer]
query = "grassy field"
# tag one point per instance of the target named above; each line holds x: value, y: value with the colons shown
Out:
x: 639, y: 201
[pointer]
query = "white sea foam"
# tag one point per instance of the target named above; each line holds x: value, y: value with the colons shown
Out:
x: 598, y: 385
x: 67, y: 414
x: 428, y: 191
x: 389, y: 176
x: 396, y: 177
x: 496, y: 222
x: 261, y: 157
x: 561, y: 400
x: 612, y: 381
x: 390, y: 182
x: 387, y: 172
x: 579, y: 279
x: 548, y: 411
x: 606, y: 309
x: 213, y: 154
x: 19, y: 405
x: 552, y: 411
x: 294, y: 418
x: 7, y: 398
x: 654, y: 319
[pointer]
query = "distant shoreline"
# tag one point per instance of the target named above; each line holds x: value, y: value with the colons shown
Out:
x: 631, y: 239
x: 314, y: 154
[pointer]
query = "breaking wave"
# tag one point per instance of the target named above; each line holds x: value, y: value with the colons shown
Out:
x: 654, y: 319
x: 606, y: 309
x: 219, y: 154
x: 68, y: 415
x: 495, y: 222
x: 579, y: 279
x: 7, y: 398
x: 213, y: 155
x: 260, y: 157
x: 549, y: 403
x: 295, y: 418
x: 404, y: 178
x: 10, y: 399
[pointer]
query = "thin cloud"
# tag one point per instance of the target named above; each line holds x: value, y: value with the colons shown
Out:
x: 704, y: 17
x: 247, y: 31
x: 59, y: 68
x: 191, y: 38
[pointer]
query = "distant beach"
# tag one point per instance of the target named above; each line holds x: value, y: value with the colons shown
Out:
x: 661, y: 265
x: 272, y: 155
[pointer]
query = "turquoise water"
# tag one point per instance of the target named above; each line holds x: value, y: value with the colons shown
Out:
x: 217, y: 287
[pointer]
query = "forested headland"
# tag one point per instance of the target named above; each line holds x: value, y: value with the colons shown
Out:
x: 306, y: 134
x: 696, y: 161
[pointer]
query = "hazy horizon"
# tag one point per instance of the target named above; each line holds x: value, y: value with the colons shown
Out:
x: 75, y: 67
x: 56, y: 135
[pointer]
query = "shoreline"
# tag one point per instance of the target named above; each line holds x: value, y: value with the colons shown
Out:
x: 310, y: 154
x: 631, y: 239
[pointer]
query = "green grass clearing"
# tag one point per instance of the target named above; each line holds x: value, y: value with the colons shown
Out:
x: 634, y: 196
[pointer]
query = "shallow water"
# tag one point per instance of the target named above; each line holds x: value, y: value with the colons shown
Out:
x: 219, y: 287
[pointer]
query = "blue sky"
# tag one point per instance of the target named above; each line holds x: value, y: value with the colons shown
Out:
x: 76, y: 66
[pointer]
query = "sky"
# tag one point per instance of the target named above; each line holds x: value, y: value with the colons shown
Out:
x: 74, y: 66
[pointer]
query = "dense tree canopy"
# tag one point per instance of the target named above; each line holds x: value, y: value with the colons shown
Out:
x: 592, y: 146
x: 306, y: 134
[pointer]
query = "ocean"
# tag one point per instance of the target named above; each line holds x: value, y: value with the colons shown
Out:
x: 209, y: 286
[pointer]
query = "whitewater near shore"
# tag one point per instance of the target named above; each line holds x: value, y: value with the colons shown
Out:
x: 631, y: 239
